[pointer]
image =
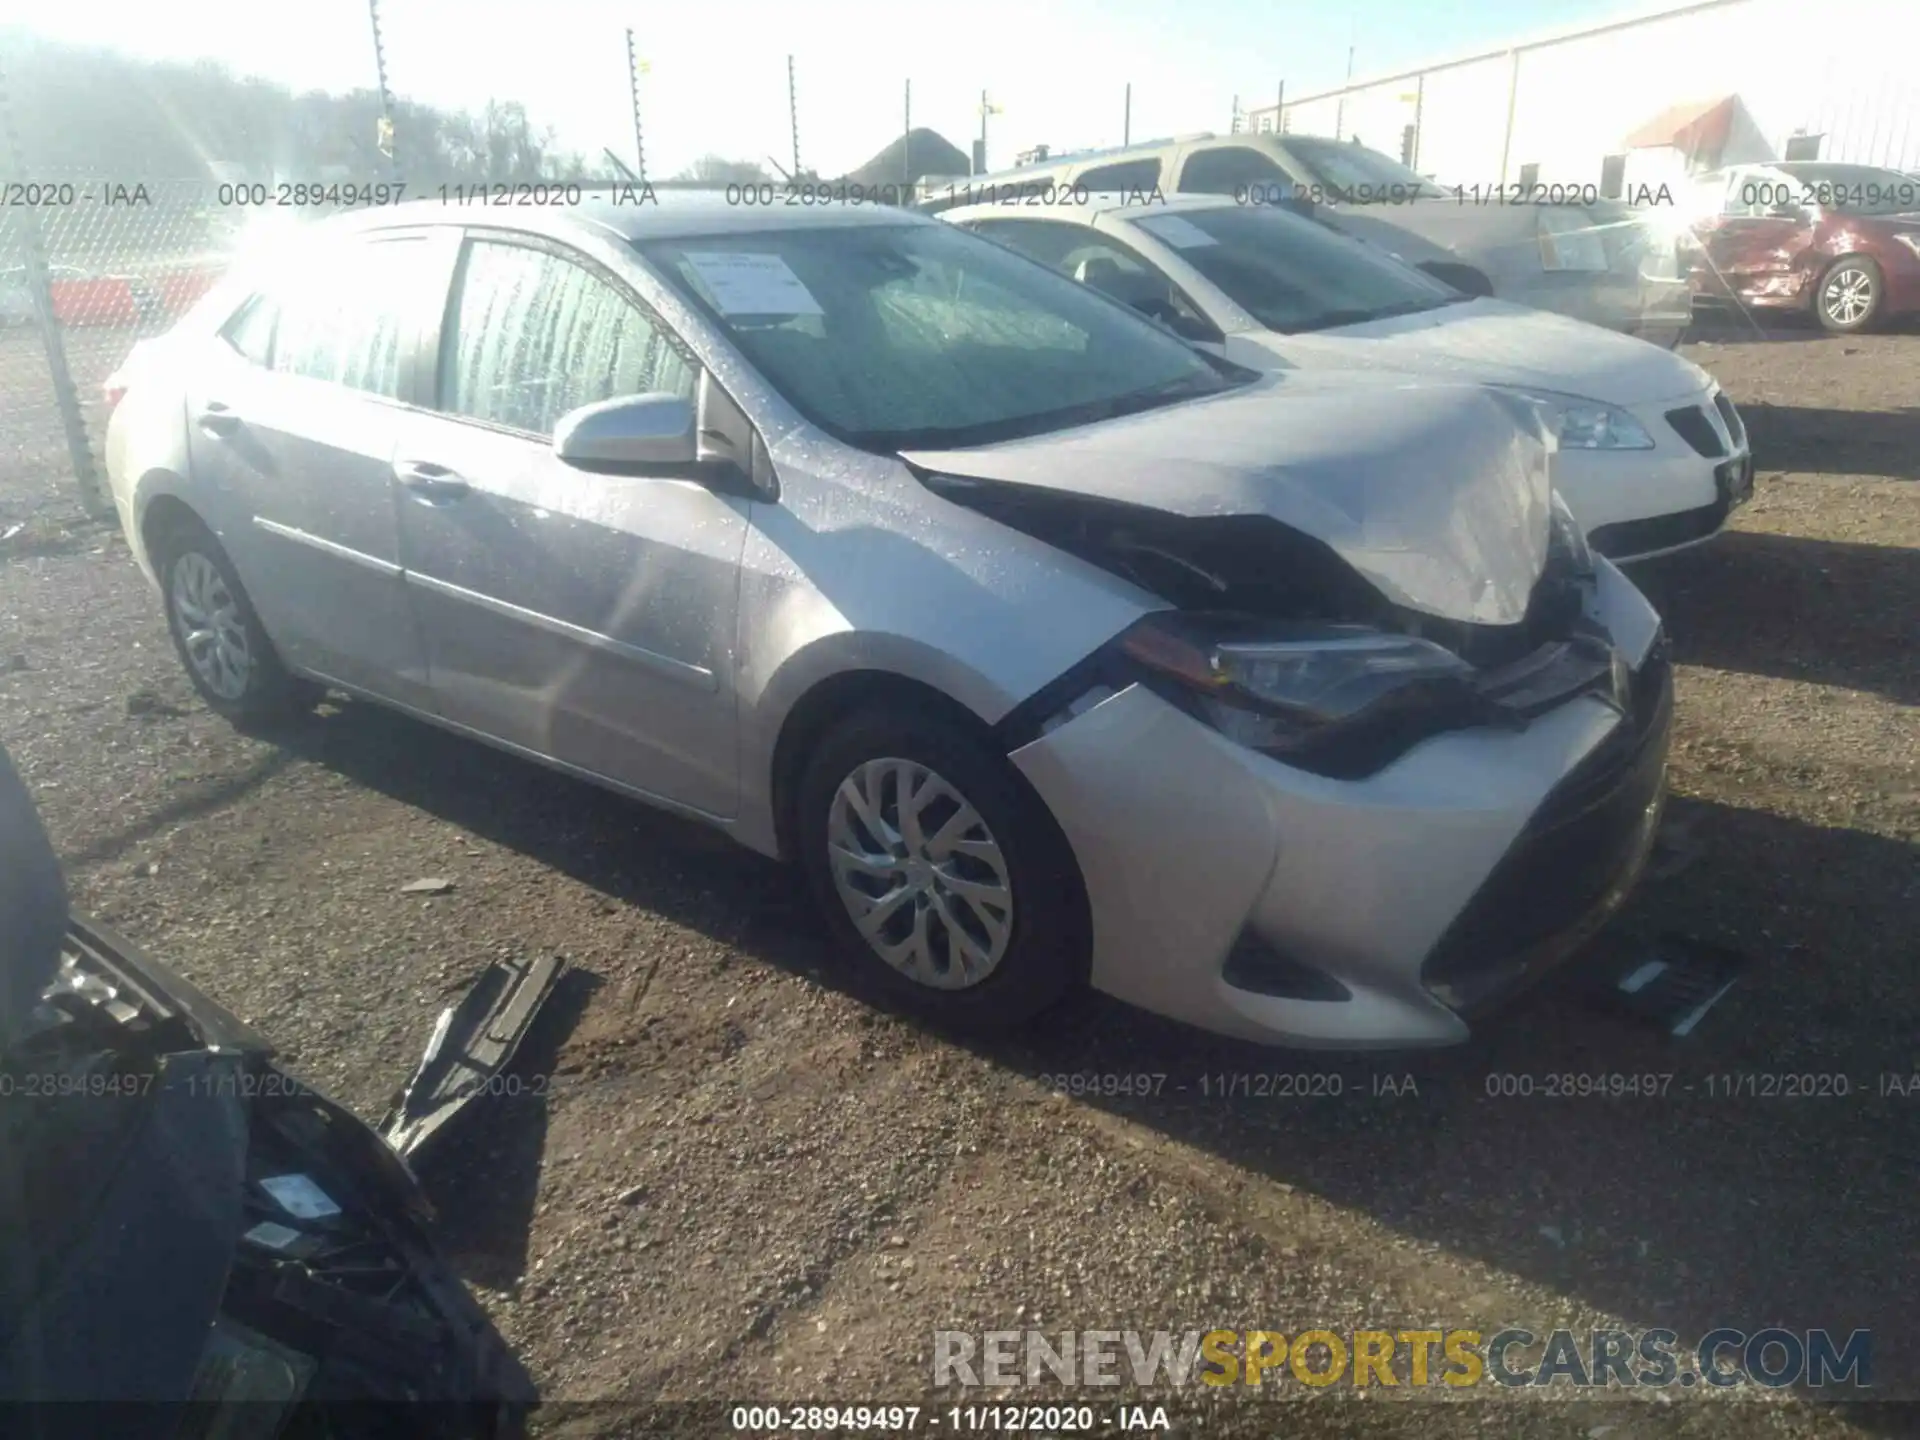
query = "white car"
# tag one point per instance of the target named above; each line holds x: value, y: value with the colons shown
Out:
x: 1653, y: 456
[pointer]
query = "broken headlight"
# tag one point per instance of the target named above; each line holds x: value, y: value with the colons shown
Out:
x: 1339, y: 700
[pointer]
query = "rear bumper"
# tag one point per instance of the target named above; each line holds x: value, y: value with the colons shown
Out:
x: 1196, y: 852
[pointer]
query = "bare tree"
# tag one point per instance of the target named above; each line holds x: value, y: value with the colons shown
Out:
x: 718, y: 170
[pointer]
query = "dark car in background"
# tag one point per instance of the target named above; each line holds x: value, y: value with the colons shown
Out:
x: 1841, y: 242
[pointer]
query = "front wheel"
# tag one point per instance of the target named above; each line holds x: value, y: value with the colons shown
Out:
x: 218, y: 635
x: 1849, y: 295
x: 942, y: 876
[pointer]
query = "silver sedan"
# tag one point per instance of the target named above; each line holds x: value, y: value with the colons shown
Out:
x: 1053, y: 650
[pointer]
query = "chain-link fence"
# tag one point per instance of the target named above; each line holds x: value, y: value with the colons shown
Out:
x: 88, y: 266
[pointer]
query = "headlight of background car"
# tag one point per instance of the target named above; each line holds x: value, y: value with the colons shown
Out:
x: 1336, y: 699
x: 1588, y: 424
x: 1570, y: 240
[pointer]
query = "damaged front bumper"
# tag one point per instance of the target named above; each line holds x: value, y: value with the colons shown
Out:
x: 1251, y: 898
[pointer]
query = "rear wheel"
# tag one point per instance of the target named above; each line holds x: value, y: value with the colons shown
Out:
x: 1849, y: 295
x: 218, y: 635
x: 942, y: 876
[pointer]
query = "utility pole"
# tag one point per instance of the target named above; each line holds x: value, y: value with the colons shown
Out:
x: 1280, y: 109
x: 633, y: 89
x: 1126, y: 118
x: 906, y: 142
x: 1234, y: 127
x: 980, y: 146
x: 384, y: 132
x: 40, y: 285
x: 1340, y: 113
x: 793, y: 115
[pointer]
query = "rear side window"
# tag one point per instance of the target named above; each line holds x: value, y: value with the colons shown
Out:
x: 344, y: 320
x: 1127, y: 175
x: 536, y: 335
x: 1231, y: 169
x: 251, y: 331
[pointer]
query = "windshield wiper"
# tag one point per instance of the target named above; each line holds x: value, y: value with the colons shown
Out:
x: 1333, y: 319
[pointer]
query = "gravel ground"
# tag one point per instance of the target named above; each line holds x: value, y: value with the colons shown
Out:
x: 725, y: 1177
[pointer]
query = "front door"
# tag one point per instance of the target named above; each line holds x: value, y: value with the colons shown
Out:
x: 586, y: 618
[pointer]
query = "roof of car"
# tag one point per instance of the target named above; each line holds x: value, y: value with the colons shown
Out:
x: 636, y: 213
x: 1100, y: 202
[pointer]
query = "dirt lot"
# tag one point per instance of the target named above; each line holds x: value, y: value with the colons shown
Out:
x: 728, y: 1178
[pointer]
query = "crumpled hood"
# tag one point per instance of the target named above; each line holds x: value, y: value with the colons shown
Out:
x: 1436, y: 493
x: 1497, y: 343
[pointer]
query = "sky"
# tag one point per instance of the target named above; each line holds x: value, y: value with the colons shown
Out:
x: 717, y: 69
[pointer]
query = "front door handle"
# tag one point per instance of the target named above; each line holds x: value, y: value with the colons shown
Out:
x: 430, y: 484
x: 218, y: 420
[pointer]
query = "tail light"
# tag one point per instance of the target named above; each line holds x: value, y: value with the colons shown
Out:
x: 114, y: 388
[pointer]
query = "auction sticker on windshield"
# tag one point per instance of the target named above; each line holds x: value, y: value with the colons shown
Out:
x: 1177, y: 231
x: 750, y: 284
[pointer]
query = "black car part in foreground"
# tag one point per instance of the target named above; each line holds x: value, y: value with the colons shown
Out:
x: 193, y: 1243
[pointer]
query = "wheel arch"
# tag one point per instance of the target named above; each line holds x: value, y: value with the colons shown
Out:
x: 825, y: 702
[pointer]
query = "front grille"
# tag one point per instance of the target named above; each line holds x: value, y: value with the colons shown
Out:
x: 1627, y: 539
x: 1735, y: 426
x: 1570, y: 866
x: 1690, y: 422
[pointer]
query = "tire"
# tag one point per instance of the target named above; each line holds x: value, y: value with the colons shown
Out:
x: 1858, y: 286
x: 239, y: 674
x: 990, y: 980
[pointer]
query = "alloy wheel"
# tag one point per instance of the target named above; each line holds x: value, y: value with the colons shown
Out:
x: 921, y: 875
x: 1847, y: 297
x: 212, y: 630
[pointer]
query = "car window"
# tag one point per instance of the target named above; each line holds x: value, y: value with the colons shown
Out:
x: 342, y: 319
x: 536, y: 335
x: 1846, y: 189
x: 1127, y: 175
x: 907, y: 336
x: 1350, y: 169
x: 1048, y: 241
x: 1231, y: 170
x: 1108, y: 266
x: 1291, y: 274
x: 251, y: 331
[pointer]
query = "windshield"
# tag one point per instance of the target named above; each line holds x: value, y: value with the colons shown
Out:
x: 1343, y: 166
x: 1849, y: 189
x: 1292, y: 274
x: 896, y: 337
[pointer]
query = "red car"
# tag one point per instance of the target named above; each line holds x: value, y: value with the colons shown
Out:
x: 1840, y: 240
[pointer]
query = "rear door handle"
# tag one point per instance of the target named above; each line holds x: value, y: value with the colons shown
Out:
x: 430, y: 484
x: 217, y: 419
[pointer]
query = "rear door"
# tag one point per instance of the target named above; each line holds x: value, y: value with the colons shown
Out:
x: 585, y: 618
x: 293, y: 418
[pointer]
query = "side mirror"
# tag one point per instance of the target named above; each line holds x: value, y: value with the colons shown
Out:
x: 629, y: 435
x: 1187, y: 327
x: 662, y: 435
